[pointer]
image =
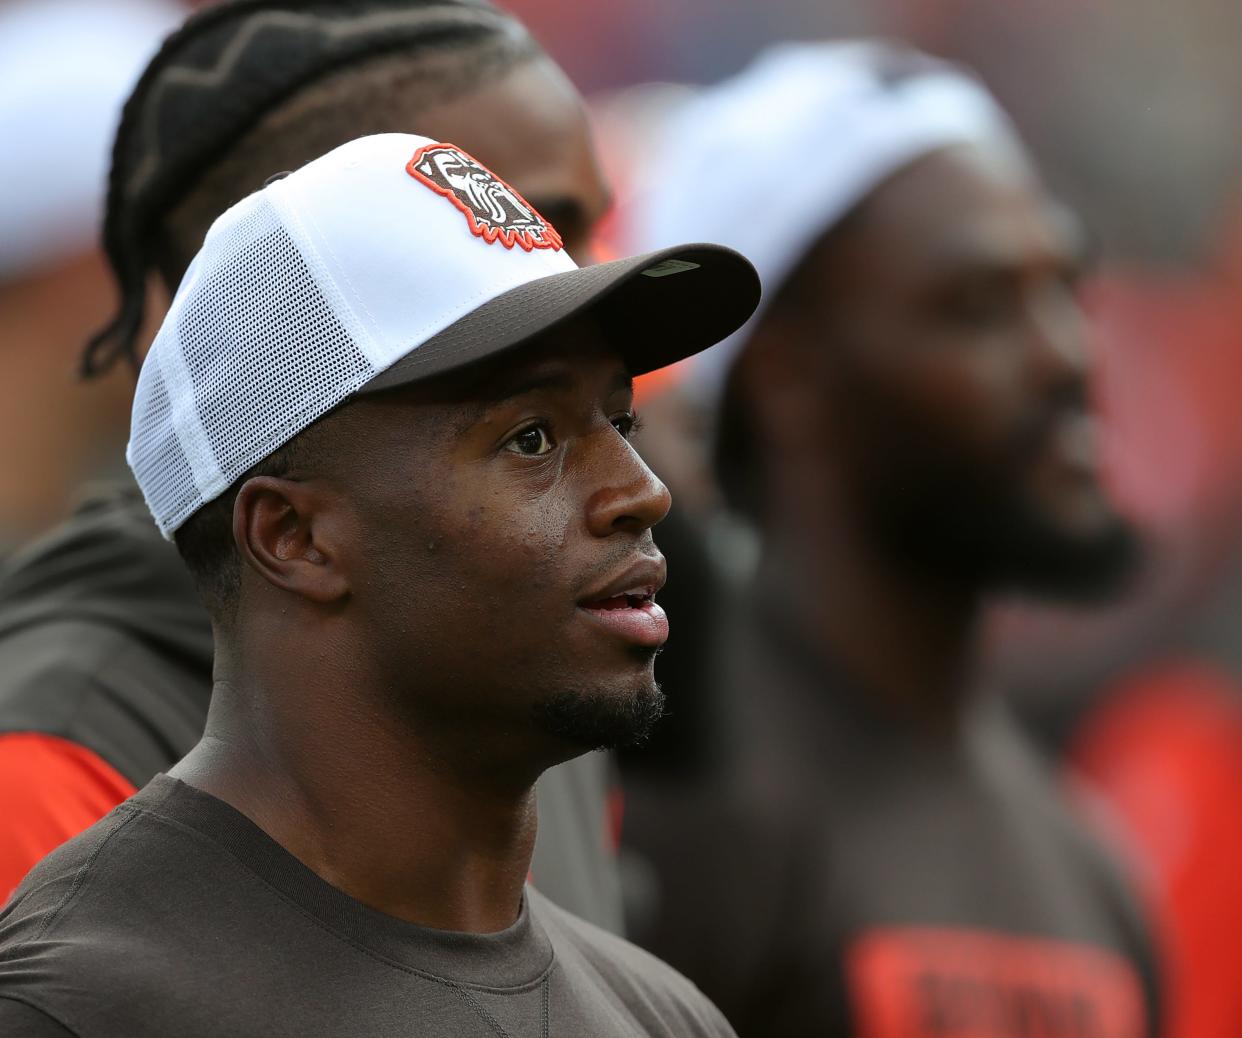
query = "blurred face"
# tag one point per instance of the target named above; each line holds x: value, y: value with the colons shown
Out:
x: 501, y: 560
x: 530, y: 127
x: 954, y: 357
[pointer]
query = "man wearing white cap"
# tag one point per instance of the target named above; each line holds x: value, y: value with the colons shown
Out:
x: 105, y: 648
x: 878, y: 852
x: 386, y: 422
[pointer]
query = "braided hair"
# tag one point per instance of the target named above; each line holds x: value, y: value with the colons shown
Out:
x: 189, y: 141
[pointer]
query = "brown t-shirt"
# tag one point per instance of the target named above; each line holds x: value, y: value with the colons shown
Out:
x: 105, y: 648
x: 839, y: 871
x: 177, y: 915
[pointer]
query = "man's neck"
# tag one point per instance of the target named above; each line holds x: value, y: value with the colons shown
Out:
x: 907, y: 637
x: 360, y: 801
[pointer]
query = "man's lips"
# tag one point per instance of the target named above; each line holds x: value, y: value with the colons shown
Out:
x: 1076, y: 441
x: 1065, y: 432
x: 1068, y: 447
x: 626, y: 605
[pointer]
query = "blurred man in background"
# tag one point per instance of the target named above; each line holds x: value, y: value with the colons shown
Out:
x: 65, y: 68
x: 875, y: 850
x: 105, y: 650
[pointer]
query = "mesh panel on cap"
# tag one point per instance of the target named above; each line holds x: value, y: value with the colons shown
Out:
x: 254, y: 355
x: 158, y: 461
x: 262, y: 347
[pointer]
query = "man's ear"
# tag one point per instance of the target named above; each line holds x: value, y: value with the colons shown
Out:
x: 783, y: 391
x: 283, y: 533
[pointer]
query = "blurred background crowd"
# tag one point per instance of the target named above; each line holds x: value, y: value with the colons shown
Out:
x: 1132, y: 698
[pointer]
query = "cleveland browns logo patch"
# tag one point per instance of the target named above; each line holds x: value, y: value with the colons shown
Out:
x: 494, y: 211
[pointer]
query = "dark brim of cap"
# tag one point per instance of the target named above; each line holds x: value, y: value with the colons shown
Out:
x: 654, y: 309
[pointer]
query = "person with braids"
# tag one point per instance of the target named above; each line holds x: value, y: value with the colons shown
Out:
x: 105, y: 650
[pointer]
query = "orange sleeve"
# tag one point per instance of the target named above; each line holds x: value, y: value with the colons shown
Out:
x: 50, y: 789
x: 1166, y: 753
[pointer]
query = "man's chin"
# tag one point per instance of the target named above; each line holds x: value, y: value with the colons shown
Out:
x: 995, y: 545
x: 602, y: 718
x: 1019, y: 554
x: 1080, y: 568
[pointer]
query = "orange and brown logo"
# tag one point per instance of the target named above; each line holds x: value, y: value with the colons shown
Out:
x: 947, y: 983
x: 494, y: 210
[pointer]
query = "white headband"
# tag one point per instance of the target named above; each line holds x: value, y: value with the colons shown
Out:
x: 769, y: 160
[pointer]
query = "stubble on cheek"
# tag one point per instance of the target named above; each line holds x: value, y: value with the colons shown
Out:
x: 492, y: 585
x: 572, y: 683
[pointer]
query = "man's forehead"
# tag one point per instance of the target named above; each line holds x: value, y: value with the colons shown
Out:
x: 576, y: 356
x: 444, y: 408
x: 1046, y: 233
x: 974, y: 206
x: 568, y: 357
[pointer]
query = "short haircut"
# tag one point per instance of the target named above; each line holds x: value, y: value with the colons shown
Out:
x: 247, y: 89
x: 205, y: 540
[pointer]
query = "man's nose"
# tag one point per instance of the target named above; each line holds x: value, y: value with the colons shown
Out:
x: 630, y: 498
x: 1059, y: 338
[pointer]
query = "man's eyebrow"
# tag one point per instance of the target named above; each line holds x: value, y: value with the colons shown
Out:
x: 530, y: 382
x: 541, y: 381
x: 967, y: 258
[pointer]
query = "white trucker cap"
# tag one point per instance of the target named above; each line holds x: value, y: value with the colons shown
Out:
x: 391, y: 259
x: 769, y: 160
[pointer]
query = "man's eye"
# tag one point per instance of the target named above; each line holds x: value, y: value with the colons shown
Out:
x: 627, y: 424
x: 983, y: 303
x: 531, y: 442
